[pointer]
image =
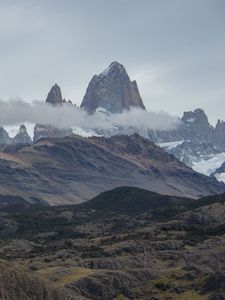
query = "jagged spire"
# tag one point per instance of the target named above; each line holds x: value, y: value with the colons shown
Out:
x: 55, y: 96
x: 22, y: 136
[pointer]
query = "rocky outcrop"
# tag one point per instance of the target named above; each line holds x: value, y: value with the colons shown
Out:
x: 219, y: 138
x: 55, y: 96
x: 107, y: 285
x: 112, y: 90
x: 4, y: 137
x: 22, y: 136
x: 191, y: 152
x: 201, y: 141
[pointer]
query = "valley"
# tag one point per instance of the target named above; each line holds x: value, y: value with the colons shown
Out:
x: 112, y: 150
x: 126, y: 243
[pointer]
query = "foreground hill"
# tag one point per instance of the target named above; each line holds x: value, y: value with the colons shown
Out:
x: 133, y: 201
x: 171, y: 248
x: 74, y: 169
x: 18, y: 284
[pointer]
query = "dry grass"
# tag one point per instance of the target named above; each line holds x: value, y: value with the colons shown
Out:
x: 62, y: 276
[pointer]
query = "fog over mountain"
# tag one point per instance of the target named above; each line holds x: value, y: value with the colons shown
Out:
x: 112, y: 150
x: 174, y: 49
x: 18, y: 111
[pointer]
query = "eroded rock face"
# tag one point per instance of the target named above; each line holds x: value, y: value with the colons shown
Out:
x: 112, y: 90
x: 55, y: 96
x: 196, y: 126
x: 22, y: 136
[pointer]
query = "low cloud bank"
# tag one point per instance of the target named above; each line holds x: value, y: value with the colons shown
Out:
x: 17, y: 112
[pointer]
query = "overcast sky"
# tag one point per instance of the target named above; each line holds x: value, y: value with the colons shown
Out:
x: 175, y: 49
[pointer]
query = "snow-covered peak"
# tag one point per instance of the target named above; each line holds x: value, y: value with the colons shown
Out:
x: 112, y: 68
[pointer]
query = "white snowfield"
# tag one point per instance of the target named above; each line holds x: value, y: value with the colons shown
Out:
x: 209, y: 166
x: 220, y: 177
x: 206, y: 167
x: 170, y: 145
x: 83, y: 132
x: 190, y: 120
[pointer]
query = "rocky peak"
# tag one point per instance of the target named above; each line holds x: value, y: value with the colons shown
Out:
x: 22, y: 136
x: 114, y: 69
x: 196, y: 126
x: 196, y: 116
x: 23, y: 129
x: 55, y: 96
x: 112, y: 90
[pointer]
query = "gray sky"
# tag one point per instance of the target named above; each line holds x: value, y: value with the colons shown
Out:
x: 175, y: 49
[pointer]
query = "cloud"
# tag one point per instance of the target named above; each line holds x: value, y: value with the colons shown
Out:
x: 18, y: 111
x: 146, y: 120
x: 176, y: 49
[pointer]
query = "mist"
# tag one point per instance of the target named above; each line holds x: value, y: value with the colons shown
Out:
x: 17, y: 111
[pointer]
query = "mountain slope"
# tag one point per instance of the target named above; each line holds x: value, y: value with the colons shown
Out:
x: 17, y: 283
x: 74, y: 169
x: 134, y: 201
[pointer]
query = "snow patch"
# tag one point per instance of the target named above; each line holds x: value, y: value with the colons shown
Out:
x: 106, y: 71
x: 191, y: 120
x: 207, y: 167
x: 170, y: 145
x: 103, y: 110
x: 220, y: 177
x: 83, y: 132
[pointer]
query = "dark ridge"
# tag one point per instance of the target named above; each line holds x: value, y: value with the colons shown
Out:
x: 131, y: 200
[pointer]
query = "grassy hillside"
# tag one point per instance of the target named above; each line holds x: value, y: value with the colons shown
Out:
x: 126, y: 243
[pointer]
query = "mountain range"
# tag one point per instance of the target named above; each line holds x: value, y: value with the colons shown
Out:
x: 74, y: 169
x: 195, y: 141
x: 118, y: 215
